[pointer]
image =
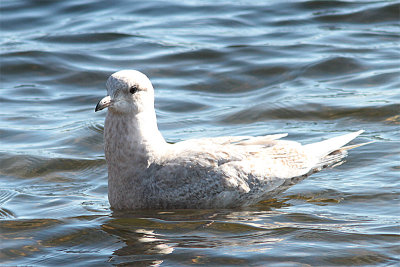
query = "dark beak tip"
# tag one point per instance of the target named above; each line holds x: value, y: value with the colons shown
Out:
x: 97, y: 108
x: 103, y: 103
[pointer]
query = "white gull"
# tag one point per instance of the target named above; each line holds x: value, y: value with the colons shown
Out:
x: 145, y: 172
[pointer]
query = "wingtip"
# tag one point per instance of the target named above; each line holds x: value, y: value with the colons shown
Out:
x: 353, y: 135
x: 331, y: 145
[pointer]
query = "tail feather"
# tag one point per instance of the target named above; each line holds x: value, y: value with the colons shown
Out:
x: 354, y: 146
x: 331, y: 160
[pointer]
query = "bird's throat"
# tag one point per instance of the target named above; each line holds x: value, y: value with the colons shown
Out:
x: 134, y: 137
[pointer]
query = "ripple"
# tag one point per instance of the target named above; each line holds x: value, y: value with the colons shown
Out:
x: 310, y: 111
x: 385, y: 13
x: 228, y: 68
x: 33, y: 64
x: 5, y: 196
x: 95, y: 37
x: 330, y: 67
x: 25, y: 166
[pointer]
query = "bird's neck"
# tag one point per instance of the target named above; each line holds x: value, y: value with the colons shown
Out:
x: 132, y: 139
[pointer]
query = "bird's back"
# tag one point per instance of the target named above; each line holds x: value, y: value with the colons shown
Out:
x: 209, y: 173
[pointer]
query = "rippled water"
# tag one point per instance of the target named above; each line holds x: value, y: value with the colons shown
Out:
x: 308, y: 68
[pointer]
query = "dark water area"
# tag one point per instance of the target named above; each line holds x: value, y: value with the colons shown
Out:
x: 313, y: 69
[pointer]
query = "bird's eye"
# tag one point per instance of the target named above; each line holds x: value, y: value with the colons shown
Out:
x: 133, y: 89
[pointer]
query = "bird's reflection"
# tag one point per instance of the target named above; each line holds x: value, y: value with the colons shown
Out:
x: 151, y: 236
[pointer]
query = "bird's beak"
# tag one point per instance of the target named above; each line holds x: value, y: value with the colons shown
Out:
x: 104, y: 103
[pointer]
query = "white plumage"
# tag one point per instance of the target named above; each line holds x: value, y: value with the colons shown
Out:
x: 145, y: 172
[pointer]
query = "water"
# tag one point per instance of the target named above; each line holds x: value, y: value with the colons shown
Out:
x: 312, y: 69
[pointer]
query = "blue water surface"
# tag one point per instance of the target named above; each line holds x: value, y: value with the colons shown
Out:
x: 313, y: 69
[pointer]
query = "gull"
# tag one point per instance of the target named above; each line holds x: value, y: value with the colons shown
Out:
x: 146, y: 172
